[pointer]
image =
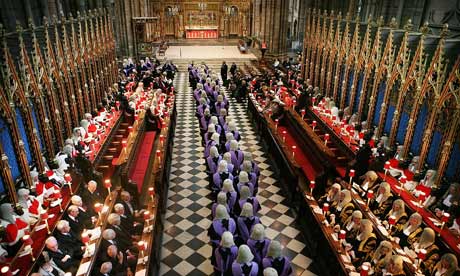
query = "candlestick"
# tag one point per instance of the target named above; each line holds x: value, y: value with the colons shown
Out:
x: 351, y: 173
x: 403, y: 181
x: 276, y: 124
x: 159, y: 158
x: 57, y: 195
x: 391, y: 222
x: 370, y: 195
x: 313, y: 124
x: 284, y: 136
x: 44, y: 216
x: 6, y: 271
x: 302, y: 112
x: 152, y: 193
x: 325, y: 208
x: 28, y: 242
x: 326, y: 138
x: 364, y: 270
x: 98, y: 208
x: 68, y: 181
x: 293, y: 151
x: 386, y: 167
x: 141, y: 245
x: 445, y: 218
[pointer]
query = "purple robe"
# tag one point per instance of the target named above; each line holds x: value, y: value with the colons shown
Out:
x: 237, y: 158
x: 254, y: 202
x: 248, y: 184
x: 209, y: 145
x: 282, y: 265
x: 218, y: 227
x: 214, y: 207
x: 224, y: 258
x: 245, y: 225
x: 212, y: 163
x: 231, y: 198
x: 222, y: 121
x: 237, y: 269
x: 197, y: 95
x: 218, y: 179
x: 200, y: 109
x: 219, y: 106
x: 204, y: 122
x: 236, y: 135
x: 252, y: 177
x: 259, y: 249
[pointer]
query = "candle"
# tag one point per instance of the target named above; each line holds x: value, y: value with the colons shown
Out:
x: 85, y: 238
x: 151, y: 192
x: 445, y: 217
x: 293, y: 151
x: 117, y: 103
x: 302, y: 112
x: 351, y: 173
x: 44, y: 216
x: 284, y: 135
x: 392, y: 220
x: 108, y: 185
x: 130, y: 129
x: 276, y: 124
x: 370, y: 194
x: 136, y: 117
x: 6, y: 271
x: 98, y: 208
x: 342, y: 234
x: 67, y: 177
x: 141, y: 245
x: 387, y: 165
x: 422, y: 254
x: 27, y: 240
x: 57, y: 195
x: 124, y: 143
x: 326, y: 136
x: 364, y: 270
x: 312, y: 184
x: 361, y: 135
x: 313, y: 124
x: 325, y: 208
x: 162, y: 139
x: 313, y: 100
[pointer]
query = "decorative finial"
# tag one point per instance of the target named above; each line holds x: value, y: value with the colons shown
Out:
x: 444, y: 31
x: 31, y: 24
x: 408, y: 26
x: 45, y: 22
x: 380, y: 21
x: 425, y: 29
x: 348, y: 16
x: 393, y: 24
x: 339, y: 16
x: 19, y: 28
x: 370, y: 19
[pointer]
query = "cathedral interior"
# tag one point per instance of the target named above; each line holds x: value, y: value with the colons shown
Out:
x: 229, y: 137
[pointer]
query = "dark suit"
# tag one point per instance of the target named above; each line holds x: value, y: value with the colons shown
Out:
x: 89, y: 199
x: 117, y: 268
x: 123, y: 238
x: 71, y: 265
x: 76, y: 226
x: 70, y: 243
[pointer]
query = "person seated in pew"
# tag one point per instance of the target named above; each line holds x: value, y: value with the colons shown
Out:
x: 394, y: 267
x: 123, y: 238
x: 244, y: 263
x: 427, y: 242
x: 30, y: 206
x: 447, y: 266
x: 455, y: 227
x: 411, y: 231
x: 221, y: 223
x: 332, y: 196
x: 224, y: 255
x: 85, y: 215
x: 222, y: 119
x: 153, y: 119
x: 48, y: 267
x: 344, y: 207
x: 104, y: 270
x: 382, y: 200
x: 363, y: 244
x: 369, y: 180
x: 67, y: 240
x: 258, y: 243
x: 91, y: 195
x: 353, y: 225
x: 63, y: 258
x: 247, y: 156
x: 131, y: 209
x: 128, y: 224
x: 381, y: 257
x: 276, y: 260
x: 202, y: 106
x: 276, y: 108
x: 76, y: 226
x: 228, y: 138
x: 398, y: 213
x: 118, y: 260
x: 450, y: 201
x: 361, y: 162
x: 210, y: 130
x: 108, y: 238
x: 425, y: 185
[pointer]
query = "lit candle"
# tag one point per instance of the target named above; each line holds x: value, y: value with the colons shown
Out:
x: 386, y: 167
x: 108, y: 185
x: 364, y: 270
x: 68, y: 181
x: 124, y: 144
x: 28, y: 242
x: 326, y: 138
x: 142, y: 247
x: 370, y: 195
x: 57, y: 195
x: 162, y: 139
x: 293, y: 151
x: 351, y: 173
x: 313, y: 100
x: 44, y: 216
x: 312, y: 186
x: 342, y: 234
x: 313, y: 125
x: 6, y: 271
x: 284, y: 135
x: 276, y: 124
x: 98, y: 208
x: 302, y: 112
x: 159, y: 157
x: 151, y: 192
x: 445, y: 217
x: 403, y: 181
x: 325, y: 208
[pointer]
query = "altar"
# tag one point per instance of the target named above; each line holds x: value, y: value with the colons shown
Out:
x: 202, y: 32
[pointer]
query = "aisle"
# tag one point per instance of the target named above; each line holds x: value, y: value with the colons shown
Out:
x: 185, y: 249
x: 274, y: 215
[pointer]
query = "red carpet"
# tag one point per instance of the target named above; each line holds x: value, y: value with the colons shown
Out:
x: 139, y: 169
x: 300, y: 157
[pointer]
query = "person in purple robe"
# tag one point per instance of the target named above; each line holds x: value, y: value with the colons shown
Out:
x: 246, y: 222
x: 258, y: 243
x: 224, y: 255
x: 243, y: 181
x: 228, y: 138
x: 213, y: 142
x: 255, y: 168
x: 221, y: 200
x: 205, y: 120
x: 227, y: 188
x: 244, y: 264
x: 219, y: 104
x: 198, y: 92
x: 209, y: 132
x: 246, y: 196
x: 228, y: 157
x: 269, y: 271
x: 200, y: 108
x: 234, y: 131
x: 236, y: 153
x: 215, y: 122
x: 222, y: 116
x: 213, y: 160
x: 276, y: 260
x: 207, y: 86
x: 221, y: 223
x: 221, y: 175
x: 247, y: 167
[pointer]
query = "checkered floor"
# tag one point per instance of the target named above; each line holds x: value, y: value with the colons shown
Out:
x: 186, y: 249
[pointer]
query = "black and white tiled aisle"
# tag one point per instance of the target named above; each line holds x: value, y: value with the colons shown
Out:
x: 186, y: 249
